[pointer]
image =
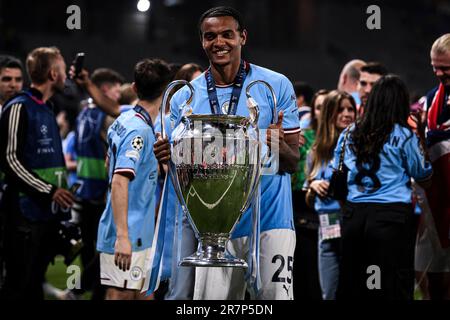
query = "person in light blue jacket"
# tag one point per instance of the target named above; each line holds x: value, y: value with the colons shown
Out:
x: 382, y: 154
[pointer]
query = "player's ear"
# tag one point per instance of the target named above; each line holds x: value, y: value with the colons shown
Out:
x: 52, y: 74
x: 243, y: 37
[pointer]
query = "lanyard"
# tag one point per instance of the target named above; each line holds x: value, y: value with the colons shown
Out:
x: 237, y: 88
x: 144, y: 116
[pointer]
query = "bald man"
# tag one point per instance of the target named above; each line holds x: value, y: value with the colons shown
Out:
x: 349, y: 78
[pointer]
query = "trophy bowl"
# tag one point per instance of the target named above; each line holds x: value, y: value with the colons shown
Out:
x: 215, y: 168
x: 216, y: 163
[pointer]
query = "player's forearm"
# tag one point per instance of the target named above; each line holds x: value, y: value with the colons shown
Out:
x: 119, y: 202
x: 108, y: 105
x: 289, y: 157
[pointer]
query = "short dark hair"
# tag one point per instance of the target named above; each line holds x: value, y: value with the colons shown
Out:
x: 375, y: 68
x: 10, y: 62
x: 151, y: 77
x: 222, y: 12
x: 187, y: 71
x: 174, y: 68
x: 105, y: 75
x: 303, y: 89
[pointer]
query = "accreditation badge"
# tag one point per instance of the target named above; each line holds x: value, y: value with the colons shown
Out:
x: 329, y: 226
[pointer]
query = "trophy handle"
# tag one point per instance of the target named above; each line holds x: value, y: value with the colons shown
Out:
x: 170, y: 164
x: 254, y: 112
x: 251, y: 103
x: 167, y: 92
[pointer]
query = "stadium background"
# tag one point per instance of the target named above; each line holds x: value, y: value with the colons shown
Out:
x: 308, y: 40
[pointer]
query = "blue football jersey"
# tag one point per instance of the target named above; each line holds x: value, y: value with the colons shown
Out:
x: 276, y: 199
x: 401, y: 159
x: 69, y: 148
x: 130, y: 151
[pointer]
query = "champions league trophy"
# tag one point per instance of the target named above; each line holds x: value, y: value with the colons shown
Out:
x: 215, y: 167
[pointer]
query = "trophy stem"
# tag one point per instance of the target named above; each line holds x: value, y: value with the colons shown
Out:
x: 212, y: 252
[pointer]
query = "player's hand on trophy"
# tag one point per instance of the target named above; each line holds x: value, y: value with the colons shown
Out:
x: 161, y: 148
x: 275, y: 132
x: 122, y: 253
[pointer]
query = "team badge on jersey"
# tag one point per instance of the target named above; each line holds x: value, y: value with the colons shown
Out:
x: 136, y: 273
x: 137, y: 143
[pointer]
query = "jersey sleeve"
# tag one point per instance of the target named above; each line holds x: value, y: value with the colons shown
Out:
x: 416, y: 165
x: 174, y: 110
x: 130, y: 152
x: 177, y: 104
x: 288, y: 104
x: 70, y: 147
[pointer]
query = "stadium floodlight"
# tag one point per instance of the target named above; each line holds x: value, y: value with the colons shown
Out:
x: 143, y: 5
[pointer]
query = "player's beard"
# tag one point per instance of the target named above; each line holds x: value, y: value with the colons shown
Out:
x: 59, y: 87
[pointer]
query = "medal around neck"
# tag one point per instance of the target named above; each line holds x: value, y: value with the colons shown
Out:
x: 215, y: 167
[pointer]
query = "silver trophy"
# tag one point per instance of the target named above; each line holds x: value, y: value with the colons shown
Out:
x: 215, y: 167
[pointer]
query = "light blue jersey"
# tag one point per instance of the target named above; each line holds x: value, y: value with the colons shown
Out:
x: 400, y: 160
x: 130, y: 151
x: 322, y: 205
x: 170, y: 208
x: 276, y: 199
x: 69, y: 148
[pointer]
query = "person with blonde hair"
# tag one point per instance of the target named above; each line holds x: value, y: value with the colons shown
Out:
x: 31, y: 157
x: 338, y: 112
x: 433, y: 246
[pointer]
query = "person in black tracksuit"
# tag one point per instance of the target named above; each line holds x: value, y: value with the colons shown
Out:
x: 31, y: 158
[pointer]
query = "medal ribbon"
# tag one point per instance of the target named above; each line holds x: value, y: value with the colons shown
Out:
x: 237, y: 88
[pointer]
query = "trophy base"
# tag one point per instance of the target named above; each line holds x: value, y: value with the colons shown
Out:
x: 211, y: 252
x: 207, y: 260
